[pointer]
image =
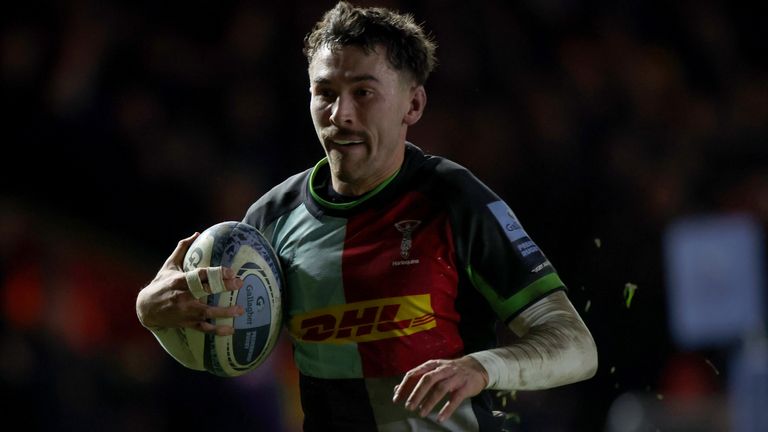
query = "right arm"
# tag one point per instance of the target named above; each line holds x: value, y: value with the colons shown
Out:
x: 166, y: 304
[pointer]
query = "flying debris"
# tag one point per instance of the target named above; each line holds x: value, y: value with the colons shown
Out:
x: 629, y: 293
x: 717, y: 372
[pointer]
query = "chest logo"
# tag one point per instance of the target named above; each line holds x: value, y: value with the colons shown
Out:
x: 365, y: 321
x: 406, y: 227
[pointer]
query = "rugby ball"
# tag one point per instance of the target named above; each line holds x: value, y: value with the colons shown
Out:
x: 244, y: 249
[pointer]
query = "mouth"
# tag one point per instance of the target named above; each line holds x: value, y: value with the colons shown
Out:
x: 343, y: 142
x: 344, y: 138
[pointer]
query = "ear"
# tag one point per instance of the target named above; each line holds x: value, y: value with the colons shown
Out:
x: 417, y: 104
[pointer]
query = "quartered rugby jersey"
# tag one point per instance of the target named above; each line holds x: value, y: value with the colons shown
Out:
x: 420, y: 268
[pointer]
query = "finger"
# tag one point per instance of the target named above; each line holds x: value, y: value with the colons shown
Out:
x: 223, y: 330
x: 437, y: 392
x: 177, y: 256
x: 231, y: 281
x: 425, y: 385
x: 215, y: 280
x: 228, y: 286
x: 195, y: 283
x: 219, y: 279
x: 210, y: 281
x: 457, y: 397
x: 212, y: 319
x: 411, y: 379
x: 214, y: 312
x: 198, y: 310
x: 206, y: 327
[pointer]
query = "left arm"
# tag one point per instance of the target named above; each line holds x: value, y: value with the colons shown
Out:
x: 553, y: 347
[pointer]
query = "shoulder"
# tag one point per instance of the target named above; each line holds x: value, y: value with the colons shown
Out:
x: 280, y: 199
x: 454, y: 182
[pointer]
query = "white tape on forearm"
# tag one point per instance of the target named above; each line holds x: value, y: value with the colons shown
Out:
x: 493, y: 365
x: 553, y: 348
x: 195, y: 284
x: 216, y: 280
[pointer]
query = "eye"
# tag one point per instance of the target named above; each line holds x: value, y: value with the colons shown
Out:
x: 324, y: 93
x: 363, y: 92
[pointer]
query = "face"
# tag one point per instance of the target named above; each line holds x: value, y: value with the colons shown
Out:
x: 361, y: 108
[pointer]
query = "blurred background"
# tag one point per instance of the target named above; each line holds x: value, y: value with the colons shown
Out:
x: 605, y: 125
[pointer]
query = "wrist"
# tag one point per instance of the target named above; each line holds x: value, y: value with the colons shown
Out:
x: 478, y: 367
x: 141, y: 312
x: 491, y: 364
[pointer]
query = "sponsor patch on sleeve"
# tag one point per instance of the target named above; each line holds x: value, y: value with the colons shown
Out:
x: 511, y: 226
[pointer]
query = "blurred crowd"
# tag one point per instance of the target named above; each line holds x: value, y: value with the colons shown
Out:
x: 130, y: 125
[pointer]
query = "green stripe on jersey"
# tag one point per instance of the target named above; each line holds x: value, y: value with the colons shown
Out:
x: 346, y: 205
x: 506, y: 308
x: 312, y: 250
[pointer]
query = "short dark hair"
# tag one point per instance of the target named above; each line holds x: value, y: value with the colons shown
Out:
x: 408, y: 47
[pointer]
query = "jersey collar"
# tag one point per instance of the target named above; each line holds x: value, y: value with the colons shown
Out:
x: 319, y: 178
x: 313, y: 187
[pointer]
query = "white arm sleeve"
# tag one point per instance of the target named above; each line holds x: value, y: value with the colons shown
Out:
x: 553, y: 347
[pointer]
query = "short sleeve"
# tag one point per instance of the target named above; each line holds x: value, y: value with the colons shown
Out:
x: 500, y: 259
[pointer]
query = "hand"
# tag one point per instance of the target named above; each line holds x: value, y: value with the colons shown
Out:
x: 167, y: 302
x: 424, y: 386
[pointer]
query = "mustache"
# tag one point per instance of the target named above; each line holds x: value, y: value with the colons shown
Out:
x: 333, y: 132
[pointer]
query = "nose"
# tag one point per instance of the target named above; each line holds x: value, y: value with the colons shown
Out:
x: 342, y: 111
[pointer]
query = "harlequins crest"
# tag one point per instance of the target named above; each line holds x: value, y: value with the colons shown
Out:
x: 406, y: 227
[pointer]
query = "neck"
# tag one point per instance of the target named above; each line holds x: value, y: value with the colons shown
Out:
x: 355, y: 189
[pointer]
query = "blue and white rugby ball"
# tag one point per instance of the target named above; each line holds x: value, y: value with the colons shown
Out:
x: 245, y: 250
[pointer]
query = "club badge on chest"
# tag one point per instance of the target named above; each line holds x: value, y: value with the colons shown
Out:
x: 406, y: 228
